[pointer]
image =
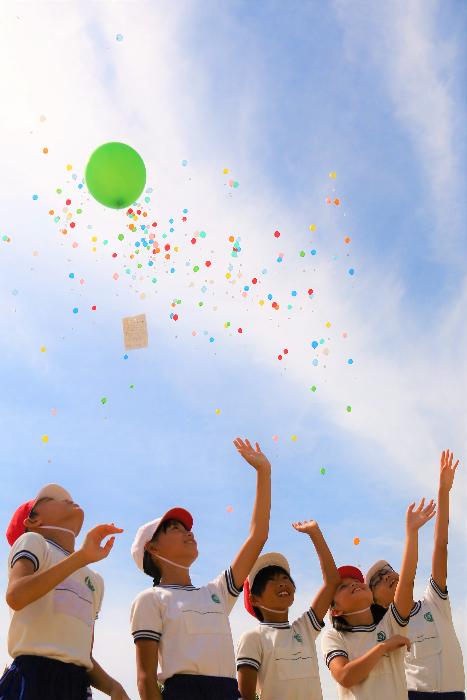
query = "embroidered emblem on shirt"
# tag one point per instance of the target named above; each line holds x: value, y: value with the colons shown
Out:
x: 428, y: 617
x: 215, y: 598
x: 381, y: 636
x: 89, y: 583
x: 298, y: 637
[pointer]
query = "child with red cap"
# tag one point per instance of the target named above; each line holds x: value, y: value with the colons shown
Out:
x: 434, y: 667
x: 54, y: 599
x: 184, y: 629
x: 278, y: 658
x: 365, y: 650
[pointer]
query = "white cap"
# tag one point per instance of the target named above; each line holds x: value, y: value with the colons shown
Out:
x: 54, y: 491
x: 377, y: 566
x: 146, y: 532
x: 269, y: 559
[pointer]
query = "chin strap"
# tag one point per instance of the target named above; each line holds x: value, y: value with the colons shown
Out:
x: 179, y: 566
x: 54, y: 527
x: 270, y: 609
x: 357, y: 612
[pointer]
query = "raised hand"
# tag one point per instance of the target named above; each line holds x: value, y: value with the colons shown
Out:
x: 447, y: 471
x: 395, y: 642
x: 92, y: 549
x: 253, y: 456
x: 308, y: 527
x: 415, y: 519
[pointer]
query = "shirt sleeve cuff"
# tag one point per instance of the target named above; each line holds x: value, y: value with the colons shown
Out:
x: 146, y: 634
x: 247, y: 661
x: 231, y: 587
x: 333, y: 654
x: 401, y: 621
x: 440, y: 593
x: 317, y: 624
x: 25, y: 554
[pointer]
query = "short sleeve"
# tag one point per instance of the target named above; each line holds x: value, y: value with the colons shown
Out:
x: 249, y: 650
x: 333, y: 644
x: 146, y: 617
x: 30, y: 546
x: 99, y: 593
x: 395, y: 621
x: 226, y: 588
x: 310, y: 622
x: 435, y: 596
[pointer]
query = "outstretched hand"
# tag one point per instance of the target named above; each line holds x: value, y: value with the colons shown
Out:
x: 92, y: 548
x: 415, y: 519
x: 253, y: 456
x: 447, y: 471
x: 308, y: 527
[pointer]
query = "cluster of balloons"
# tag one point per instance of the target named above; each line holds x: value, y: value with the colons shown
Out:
x: 115, y: 175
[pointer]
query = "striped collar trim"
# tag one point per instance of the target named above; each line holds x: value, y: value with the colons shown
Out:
x: 62, y: 549
x: 176, y: 587
x: 362, y: 628
x: 276, y: 625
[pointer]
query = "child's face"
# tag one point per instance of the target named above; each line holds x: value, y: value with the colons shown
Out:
x: 56, y: 512
x: 177, y: 544
x: 351, y: 595
x: 383, y: 586
x: 278, y: 594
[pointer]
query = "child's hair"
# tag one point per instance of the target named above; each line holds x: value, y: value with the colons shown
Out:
x: 261, y: 579
x: 149, y: 566
x: 341, y: 625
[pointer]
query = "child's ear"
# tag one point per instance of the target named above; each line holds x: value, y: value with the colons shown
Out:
x: 335, y: 612
x: 32, y: 523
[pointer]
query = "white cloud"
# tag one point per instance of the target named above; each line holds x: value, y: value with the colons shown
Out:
x: 421, y: 71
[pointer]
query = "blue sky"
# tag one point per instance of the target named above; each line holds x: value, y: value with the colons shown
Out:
x: 282, y: 97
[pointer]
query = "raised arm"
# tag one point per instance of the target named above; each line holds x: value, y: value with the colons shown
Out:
x: 259, y: 528
x: 349, y: 673
x: 25, y: 586
x: 439, y: 565
x: 415, y: 519
x: 331, y: 578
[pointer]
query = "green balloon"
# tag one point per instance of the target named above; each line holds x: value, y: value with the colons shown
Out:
x: 115, y: 175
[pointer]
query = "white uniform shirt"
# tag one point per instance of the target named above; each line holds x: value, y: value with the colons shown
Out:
x: 434, y: 663
x: 284, y: 655
x: 191, y: 625
x: 386, y: 680
x: 60, y: 624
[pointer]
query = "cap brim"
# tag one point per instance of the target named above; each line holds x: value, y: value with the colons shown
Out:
x: 179, y: 514
x: 376, y: 567
x: 351, y: 572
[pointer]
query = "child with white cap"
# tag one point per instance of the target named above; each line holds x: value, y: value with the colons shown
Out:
x: 433, y: 667
x: 184, y: 629
x: 54, y: 599
x: 365, y: 649
x: 278, y: 659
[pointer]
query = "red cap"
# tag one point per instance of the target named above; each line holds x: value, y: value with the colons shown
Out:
x: 246, y: 598
x: 350, y: 572
x: 16, y: 527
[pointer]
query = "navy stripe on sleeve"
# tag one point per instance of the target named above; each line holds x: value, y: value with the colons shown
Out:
x: 231, y: 587
x: 25, y: 554
x: 333, y: 654
x: 246, y: 661
x: 442, y: 594
x: 317, y: 624
x: 147, y: 634
x: 402, y: 621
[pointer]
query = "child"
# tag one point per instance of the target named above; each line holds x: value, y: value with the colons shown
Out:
x: 279, y: 658
x: 54, y: 599
x: 186, y: 629
x: 364, y: 652
x: 434, y: 665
